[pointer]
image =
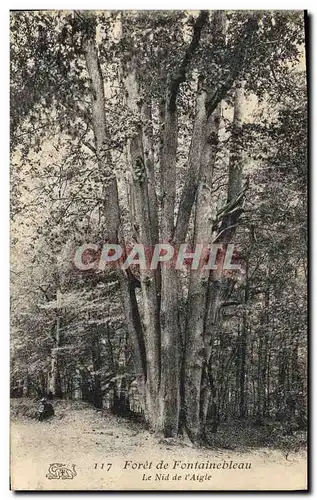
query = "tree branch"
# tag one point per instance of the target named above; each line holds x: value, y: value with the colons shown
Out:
x: 181, y: 74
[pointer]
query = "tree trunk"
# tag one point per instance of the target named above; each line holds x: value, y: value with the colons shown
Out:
x: 243, y: 351
x: 55, y: 380
x: 260, y: 385
x: 193, y: 169
x: 145, y: 219
x: 43, y: 383
x: 170, y: 289
x: 85, y: 389
x: 121, y: 405
x: 195, y: 354
x: 219, y: 287
x: 96, y: 363
x: 170, y: 334
x: 110, y: 190
x: 26, y: 386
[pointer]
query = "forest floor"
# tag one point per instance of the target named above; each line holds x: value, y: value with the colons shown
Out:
x: 88, y: 438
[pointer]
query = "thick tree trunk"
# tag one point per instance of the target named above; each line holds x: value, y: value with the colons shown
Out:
x: 146, y: 217
x: 170, y: 334
x: 219, y: 287
x: 148, y: 155
x: 170, y: 329
x: 193, y: 169
x: 110, y: 190
x: 195, y: 355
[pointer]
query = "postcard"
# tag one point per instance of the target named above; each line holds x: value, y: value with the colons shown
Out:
x: 158, y: 250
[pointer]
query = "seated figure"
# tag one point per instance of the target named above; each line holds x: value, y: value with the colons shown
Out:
x: 45, y: 410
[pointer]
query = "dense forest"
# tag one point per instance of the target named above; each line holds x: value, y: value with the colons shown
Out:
x: 166, y: 126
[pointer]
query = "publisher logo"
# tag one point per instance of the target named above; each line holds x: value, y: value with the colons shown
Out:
x: 60, y: 471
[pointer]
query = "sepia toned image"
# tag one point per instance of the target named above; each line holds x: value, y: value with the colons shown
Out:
x: 158, y: 250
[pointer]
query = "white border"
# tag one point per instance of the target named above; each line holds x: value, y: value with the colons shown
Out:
x: 162, y: 5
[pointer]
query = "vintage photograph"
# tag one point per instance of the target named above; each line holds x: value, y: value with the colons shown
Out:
x: 158, y: 227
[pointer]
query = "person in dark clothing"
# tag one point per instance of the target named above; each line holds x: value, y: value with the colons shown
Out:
x: 45, y: 410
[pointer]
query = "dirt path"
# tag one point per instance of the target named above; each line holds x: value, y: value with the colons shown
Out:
x: 139, y: 460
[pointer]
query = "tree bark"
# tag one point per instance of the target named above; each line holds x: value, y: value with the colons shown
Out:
x: 96, y: 363
x: 192, y: 175
x: 170, y: 334
x: 195, y: 354
x: 26, y: 386
x: 170, y: 331
x: 219, y: 287
x: 243, y: 349
x: 55, y: 381
x: 146, y: 217
x: 110, y: 191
